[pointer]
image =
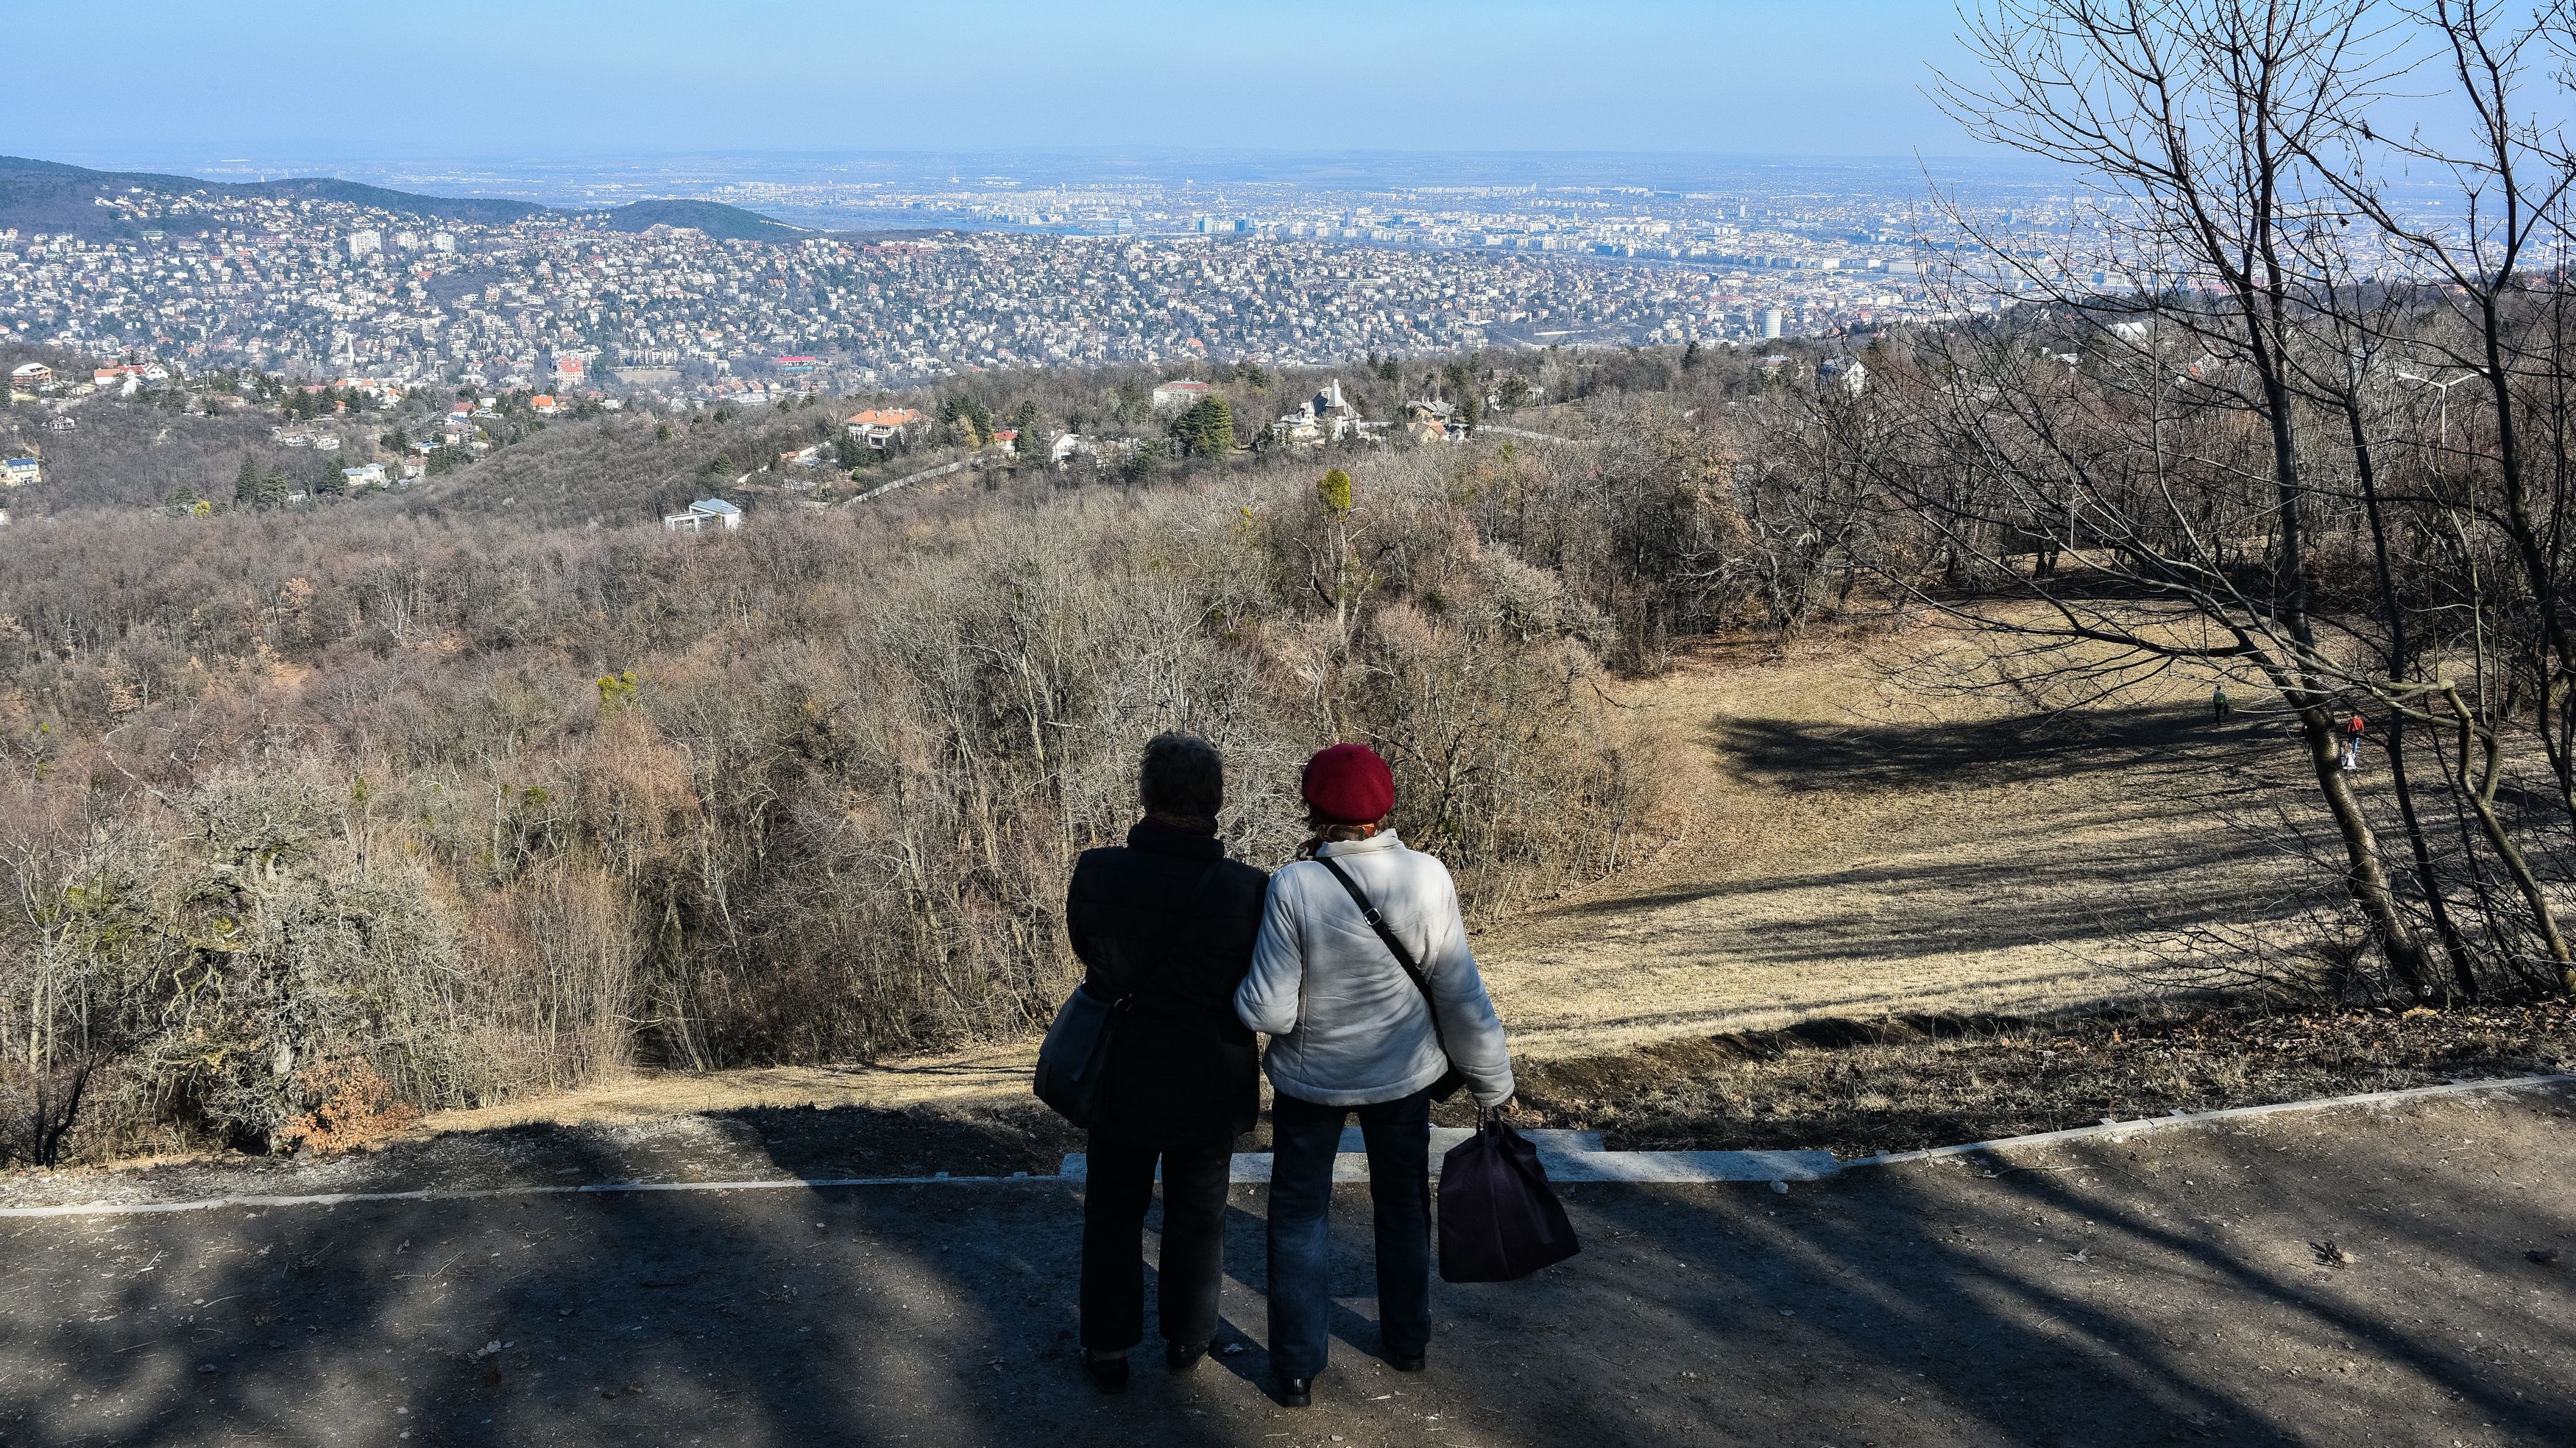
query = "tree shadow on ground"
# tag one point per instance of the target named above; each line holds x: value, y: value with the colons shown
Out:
x: 2137, y: 1292
x: 1855, y: 754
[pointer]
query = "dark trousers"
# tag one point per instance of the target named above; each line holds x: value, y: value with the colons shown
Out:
x: 1304, y: 1138
x: 1114, y: 1199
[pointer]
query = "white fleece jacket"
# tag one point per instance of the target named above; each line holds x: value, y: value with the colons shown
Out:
x: 1346, y: 1025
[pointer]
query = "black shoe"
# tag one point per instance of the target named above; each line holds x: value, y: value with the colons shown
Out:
x: 1406, y: 1364
x: 1108, y: 1374
x: 1293, y: 1392
x: 1180, y: 1357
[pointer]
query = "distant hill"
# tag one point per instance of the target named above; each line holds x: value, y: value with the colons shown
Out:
x: 725, y: 223
x: 50, y: 197
x: 47, y: 196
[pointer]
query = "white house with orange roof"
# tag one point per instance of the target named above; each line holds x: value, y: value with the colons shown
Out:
x: 878, y: 426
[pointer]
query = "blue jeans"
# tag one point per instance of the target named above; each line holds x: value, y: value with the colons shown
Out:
x: 1304, y: 1139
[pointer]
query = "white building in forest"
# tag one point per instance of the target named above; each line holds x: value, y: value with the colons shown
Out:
x: 1325, y: 417
x: 702, y: 513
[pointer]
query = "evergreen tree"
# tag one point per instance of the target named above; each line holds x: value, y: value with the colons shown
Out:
x: 1032, y: 444
x: 977, y: 420
x: 1206, y: 430
x: 246, y: 485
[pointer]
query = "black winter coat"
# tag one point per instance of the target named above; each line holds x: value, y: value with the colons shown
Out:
x: 1184, y: 1071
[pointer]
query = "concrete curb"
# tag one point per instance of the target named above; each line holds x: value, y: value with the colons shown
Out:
x: 2118, y: 1131
x: 1569, y: 1157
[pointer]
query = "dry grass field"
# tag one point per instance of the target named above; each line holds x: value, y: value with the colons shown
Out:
x: 1842, y: 844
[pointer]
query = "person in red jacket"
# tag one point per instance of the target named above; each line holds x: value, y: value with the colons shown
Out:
x: 2352, y: 733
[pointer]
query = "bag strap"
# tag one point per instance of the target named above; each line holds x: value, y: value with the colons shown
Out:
x: 1403, y: 957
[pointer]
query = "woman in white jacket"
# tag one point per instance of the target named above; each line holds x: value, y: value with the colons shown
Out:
x: 1351, y: 1030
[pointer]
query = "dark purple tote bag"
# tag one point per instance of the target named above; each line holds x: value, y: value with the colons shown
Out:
x: 1499, y: 1221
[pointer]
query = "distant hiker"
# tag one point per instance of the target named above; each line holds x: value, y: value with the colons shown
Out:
x: 1167, y: 921
x: 2219, y: 708
x: 1351, y: 1029
x: 2352, y: 733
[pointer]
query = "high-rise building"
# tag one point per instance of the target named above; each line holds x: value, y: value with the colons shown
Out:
x: 366, y: 243
x: 1771, y: 324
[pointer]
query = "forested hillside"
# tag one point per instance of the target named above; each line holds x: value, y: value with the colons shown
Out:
x: 437, y: 792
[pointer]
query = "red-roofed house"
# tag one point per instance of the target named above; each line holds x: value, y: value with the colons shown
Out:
x: 1179, y: 396
x: 880, y: 425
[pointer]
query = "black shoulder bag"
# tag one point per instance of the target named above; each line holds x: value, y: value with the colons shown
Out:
x: 1449, y: 1082
x: 1073, y: 1062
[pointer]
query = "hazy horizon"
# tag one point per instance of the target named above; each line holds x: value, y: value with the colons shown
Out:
x: 581, y: 179
x: 585, y: 78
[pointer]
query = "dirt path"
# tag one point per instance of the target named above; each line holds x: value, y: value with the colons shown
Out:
x: 2338, y: 1278
x: 1845, y: 847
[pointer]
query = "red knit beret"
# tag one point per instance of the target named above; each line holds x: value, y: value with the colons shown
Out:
x: 1348, y: 784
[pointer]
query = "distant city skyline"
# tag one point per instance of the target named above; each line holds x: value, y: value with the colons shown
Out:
x: 261, y: 81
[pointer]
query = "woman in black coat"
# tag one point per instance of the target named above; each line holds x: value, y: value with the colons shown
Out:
x: 1166, y: 921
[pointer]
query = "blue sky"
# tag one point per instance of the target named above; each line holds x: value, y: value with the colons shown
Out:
x: 156, y: 83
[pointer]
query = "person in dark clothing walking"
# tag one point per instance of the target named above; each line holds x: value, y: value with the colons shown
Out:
x: 1165, y: 923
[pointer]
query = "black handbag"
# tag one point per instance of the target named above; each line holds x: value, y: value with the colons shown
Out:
x: 1499, y: 1219
x: 1073, y: 1061
x: 1449, y: 1082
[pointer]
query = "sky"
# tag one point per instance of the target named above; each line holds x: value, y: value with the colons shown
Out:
x: 152, y: 83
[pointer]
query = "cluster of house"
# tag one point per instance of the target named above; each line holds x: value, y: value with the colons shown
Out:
x: 1329, y: 417
x: 34, y: 381
x: 1326, y: 417
x: 314, y: 438
x: 127, y: 378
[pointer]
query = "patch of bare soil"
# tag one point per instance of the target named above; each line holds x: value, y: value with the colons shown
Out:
x: 983, y: 1077
x: 1898, y: 1084
x: 997, y: 1138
